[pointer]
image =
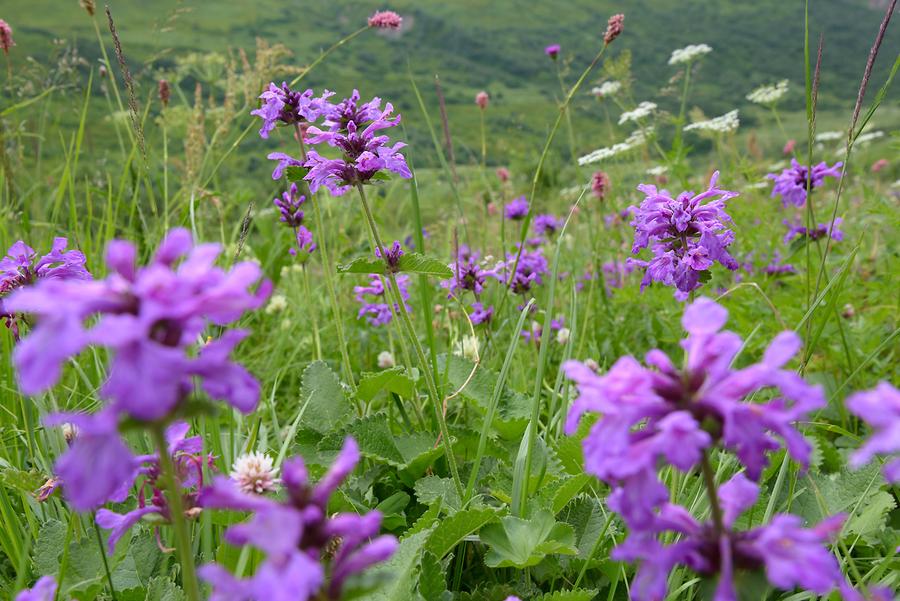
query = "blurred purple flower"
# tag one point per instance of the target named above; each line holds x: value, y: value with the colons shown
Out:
x: 798, y: 230
x: 385, y: 19
x: 530, y: 270
x: 45, y: 588
x: 516, y: 209
x: 298, y: 536
x: 546, y: 225
x: 791, y: 184
x: 880, y: 409
x: 552, y: 51
x: 481, y: 314
x: 378, y: 313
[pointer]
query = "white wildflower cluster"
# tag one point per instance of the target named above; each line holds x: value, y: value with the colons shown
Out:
x: 644, y: 109
x: 255, y: 473
x: 386, y: 360
x: 277, y: 304
x: 863, y: 139
x: 769, y: 94
x: 829, y: 136
x: 607, y: 88
x: 657, y: 171
x: 468, y: 347
x: 689, y: 53
x: 758, y: 185
x: 636, y: 139
x: 721, y: 124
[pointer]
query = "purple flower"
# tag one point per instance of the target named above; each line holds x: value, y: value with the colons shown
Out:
x: 798, y: 230
x: 187, y: 457
x: 663, y: 413
x: 530, y: 270
x: 468, y: 274
x: 283, y: 105
x: 385, y: 19
x: 793, y: 556
x: 379, y: 313
x: 880, y: 408
x: 547, y: 225
x: 614, y: 272
x: 481, y: 314
x: 19, y: 268
x: 685, y: 234
x: 552, y: 51
x: 298, y: 536
x: 44, y: 589
x: 284, y: 161
x: 391, y: 255
x: 516, y: 209
x: 791, y: 184
x: 351, y: 128
x: 289, y: 206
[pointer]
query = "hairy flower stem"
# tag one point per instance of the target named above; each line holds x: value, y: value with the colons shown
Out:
x: 709, y: 478
x: 328, y: 269
x: 417, y: 345
x: 176, y: 514
x: 679, y: 131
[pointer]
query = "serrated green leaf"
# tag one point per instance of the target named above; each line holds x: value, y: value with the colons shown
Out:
x: 417, y: 263
x: 163, y: 589
x: 578, y: 594
x: 412, y: 452
x: 426, y: 520
x: 401, y: 570
x: 295, y: 173
x: 451, y: 531
x: 432, y: 579
x: 27, y: 482
x: 327, y: 406
x: 393, y: 380
x: 565, y: 489
x: 519, y: 543
x: 432, y: 488
x: 870, y: 520
x: 48, y: 548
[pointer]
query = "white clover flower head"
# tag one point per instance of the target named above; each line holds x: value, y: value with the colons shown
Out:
x: 468, y: 347
x: 386, y: 360
x: 607, y: 88
x: 722, y: 124
x: 689, y: 53
x: 254, y: 473
x: 644, y: 109
x: 635, y: 140
x: 562, y: 336
x: 277, y: 304
x: 769, y: 94
x: 592, y: 365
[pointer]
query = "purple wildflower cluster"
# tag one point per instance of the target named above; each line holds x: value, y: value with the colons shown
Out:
x: 470, y: 274
x: 546, y: 225
x: 150, y: 318
x: 531, y: 269
x: 288, y: 107
x: 19, y: 269
x: 662, y: 414
x: 800, y: 231
x: 43, y: 590
x: 298, y: 535
x: 791, y: 184
x: 289, y: 206
x: 516, y: 209
x: 686, y: 234
x: 189, y: 461
x: 374, y: 301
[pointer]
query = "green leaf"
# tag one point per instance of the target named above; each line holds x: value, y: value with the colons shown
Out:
x: 431, y: 488
x: 295, y: 173
x: 364, y: 265
x: 327, y: 407
x: 869, y: 522
x: 432, y: 579
x: 393, y: 517
x: 563, y: 490
x: 163, y: 589
x: 21, y: 480
x: 393, y: 380
x: 426, y: 520
x: 519, y: 543
x: 417, y: 263
x: 48, y: 548
x: 412, y: 452
x: 455, y: 528
x: 578, y: 594
x: 401, y: 570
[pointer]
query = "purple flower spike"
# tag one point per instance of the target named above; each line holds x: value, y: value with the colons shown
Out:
x: 687, y: 235
x: 798, y: 230
x: 378, y: 313
x: 481, y: 314
x: 468, y: 274
x: 791, y: 184
x: 391, y: 255
x: 880, y: 408
x: 552, y: 51
x: 289, y: 206
x: 516, y: 209
x: 352, y: 129
x: 283, y: 105
x: 43, y: 590
x: 547, y: 225
x: 298, y: 535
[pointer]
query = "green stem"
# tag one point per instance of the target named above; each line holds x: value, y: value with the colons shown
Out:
x: 417, y: 346
x: 709, y: 479
x: 176, y: 515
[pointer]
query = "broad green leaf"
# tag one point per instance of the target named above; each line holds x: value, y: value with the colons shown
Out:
x: 431, y: 488
x: 163, y: 589
x: 400, y: 570
x: 363, y: 265
x: 21, y: 480
x: 416, y: 263
x: 578, y: 594
x: 452, y: 530
x: 426, y: 520
x: 432, y: 579
x: 393, y: 380
x: 48, y: 548
x: 328, y: 407
x: 870, y: 520
x: 563, y: 490
x: 519, y: 543
x: 295, y: 173
x: 410, y: 452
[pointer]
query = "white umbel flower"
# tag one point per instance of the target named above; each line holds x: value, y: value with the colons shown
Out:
x: 607, y: 88
x: 254, y: 473
x: 721, y: 124
x: 636, y: 139
x: 689, y: 53
x: 769, y: 94
x: 277, y: 304
x: 657, y: 171
x: 386, y: 360
x: 829, y: 136
x: 644, y: 109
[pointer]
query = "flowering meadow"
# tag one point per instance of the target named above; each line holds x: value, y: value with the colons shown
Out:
x: 270, y: 333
